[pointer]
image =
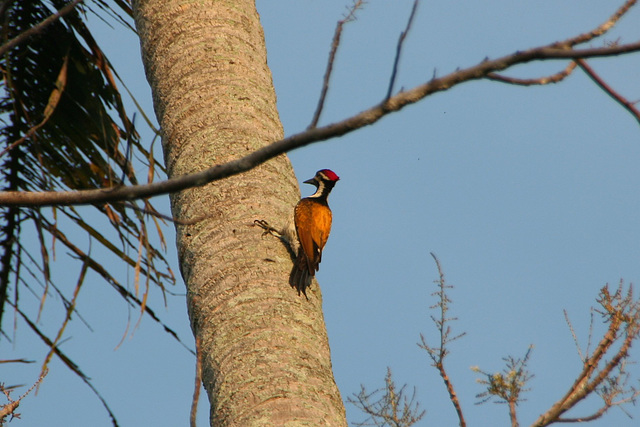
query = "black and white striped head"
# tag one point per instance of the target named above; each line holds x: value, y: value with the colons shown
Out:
x: 324, y: 181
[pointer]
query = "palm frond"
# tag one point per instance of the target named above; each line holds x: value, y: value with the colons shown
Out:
x: 63, y: 126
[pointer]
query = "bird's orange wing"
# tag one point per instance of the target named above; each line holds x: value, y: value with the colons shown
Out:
x: 322, y: 228
x: 313, y: 224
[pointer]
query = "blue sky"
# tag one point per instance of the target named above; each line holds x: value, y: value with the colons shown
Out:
x: 527, y: 195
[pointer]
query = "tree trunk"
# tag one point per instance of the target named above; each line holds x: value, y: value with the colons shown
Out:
x: 265, y: 353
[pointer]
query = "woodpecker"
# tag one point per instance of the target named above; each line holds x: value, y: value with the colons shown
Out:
x: 312, y: 220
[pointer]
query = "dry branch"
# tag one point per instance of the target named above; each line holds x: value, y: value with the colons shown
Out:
x: 622, y: 312
x: 604, y: 27
x: 559, y: 50
x: 438, y: 354
x: 626, y: 104
x: 403, y: 35
x: 350, y: 16
x: 554, y: 78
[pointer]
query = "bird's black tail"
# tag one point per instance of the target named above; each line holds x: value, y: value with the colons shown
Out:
x: 300, y: 278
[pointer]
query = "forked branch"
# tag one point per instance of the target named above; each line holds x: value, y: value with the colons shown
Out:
x: 554, y: 51
x: 603, y: 370
x: 626, y: 104
x: 622, y: 313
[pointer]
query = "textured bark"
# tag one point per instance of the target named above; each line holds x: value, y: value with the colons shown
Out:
x: 266, y: 358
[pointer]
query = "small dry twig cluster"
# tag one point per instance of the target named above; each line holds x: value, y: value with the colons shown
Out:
x: 604, y: 369
x: 507, y: 385
x: 388, y: 406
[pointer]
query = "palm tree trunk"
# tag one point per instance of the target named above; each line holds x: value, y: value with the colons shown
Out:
x: 265, y: 353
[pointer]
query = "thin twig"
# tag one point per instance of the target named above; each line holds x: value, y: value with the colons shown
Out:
x: 24, y: 36
x: 351, y: 16
x: 592, y: 417
x: 626, y: 104
x: 574, y: 336
x: 609, y: 403
x: 403, y: 35
x: 600, y: 30
x: 554, y: 78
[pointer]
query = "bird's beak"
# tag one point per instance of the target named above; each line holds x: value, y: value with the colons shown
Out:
x: 311, y: 181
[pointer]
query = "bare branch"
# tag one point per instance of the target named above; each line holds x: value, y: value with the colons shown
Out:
x: 574, y: 336
x: 622, y: 313
x: 609, y: 403
x: 592, y: 417
x: 559, y: 50
x: 351, y: 16
x: 603, y: 28
x: 437, y: 354
x: 554, y: 78
x: 38, y: 28
x: 626, y: 104
x: 403, y: 35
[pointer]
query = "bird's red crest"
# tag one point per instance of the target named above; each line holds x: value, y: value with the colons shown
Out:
x: 329, y: 174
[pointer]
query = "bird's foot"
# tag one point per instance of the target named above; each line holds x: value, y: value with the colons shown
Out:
x: 267, y: 228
